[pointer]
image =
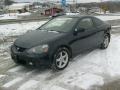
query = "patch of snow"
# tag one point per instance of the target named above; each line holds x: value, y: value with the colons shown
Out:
x: 1, y: 76
x: 107, y: 18
x: 23, y: 14
x: 118, y: 26
x: 29, y: 85
x: 7, y: 16
x: 113, y: 59
x: 86, y: 81
x: 80, y: 80
x: 72, y: 13
x: 14, y: 81
x: 57, y: 88
x: 7, y: 58
x: 15, y: 69
x: 108, y: 13
x: 13, y: 15
x: 18, y: 28
x: 20, y: 4
x: 30, y: 72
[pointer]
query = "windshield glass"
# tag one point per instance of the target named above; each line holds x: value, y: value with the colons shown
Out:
x: 59, y: 24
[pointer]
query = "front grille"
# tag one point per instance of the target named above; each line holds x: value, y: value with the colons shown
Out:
x: 20, y: 49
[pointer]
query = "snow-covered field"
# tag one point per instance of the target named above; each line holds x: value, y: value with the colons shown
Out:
x: 106, y: 18
x: 13, y: 16
x: 7, y: 16
x: 89, y: 70
x: 18, y: 28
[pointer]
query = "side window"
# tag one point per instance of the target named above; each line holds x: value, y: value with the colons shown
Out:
x: 97, y: 22
x: 86, y: 23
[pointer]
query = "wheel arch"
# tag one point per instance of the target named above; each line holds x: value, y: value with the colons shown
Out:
x: 61, y: 46
x: 108, y: 33
x: 69, y: 48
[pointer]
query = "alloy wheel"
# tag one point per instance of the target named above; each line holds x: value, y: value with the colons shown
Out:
x: 62, y: 59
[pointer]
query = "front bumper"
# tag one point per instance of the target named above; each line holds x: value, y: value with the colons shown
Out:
x: 29, y: 59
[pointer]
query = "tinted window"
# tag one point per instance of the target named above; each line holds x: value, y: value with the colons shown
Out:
x: 86, y: 23
x: 98, y: 22
x: 61, y: 24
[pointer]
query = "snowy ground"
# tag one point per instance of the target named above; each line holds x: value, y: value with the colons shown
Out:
x: 106, y: 17
x: 18, y: 28
x: 89, y: 70
x: 13, y: 16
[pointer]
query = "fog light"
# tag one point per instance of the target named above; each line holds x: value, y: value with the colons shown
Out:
x: 30, y: 63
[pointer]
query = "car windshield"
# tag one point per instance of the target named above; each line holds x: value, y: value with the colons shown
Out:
x: 59, y: 24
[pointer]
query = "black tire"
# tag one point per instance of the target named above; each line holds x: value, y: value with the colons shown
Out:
x: 106, y: 41
x: 55, y: 66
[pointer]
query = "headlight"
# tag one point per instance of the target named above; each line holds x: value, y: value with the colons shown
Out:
x: 39, y: 49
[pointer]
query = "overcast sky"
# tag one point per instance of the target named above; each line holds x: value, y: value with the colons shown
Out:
x: 80, y: 1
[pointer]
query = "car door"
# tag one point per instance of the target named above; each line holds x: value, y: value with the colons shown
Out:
x: 86, y: 39
x: 100, y: 28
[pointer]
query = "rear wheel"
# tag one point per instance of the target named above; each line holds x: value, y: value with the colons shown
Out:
x: 61, y: 59
x: 106, y: 41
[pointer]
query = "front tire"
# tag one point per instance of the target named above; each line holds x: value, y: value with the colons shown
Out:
x: 106, y: 42
x: 61, y: 59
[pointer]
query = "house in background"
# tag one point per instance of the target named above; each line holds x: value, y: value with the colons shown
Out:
x: 20, y: 7
x: 53, y: 11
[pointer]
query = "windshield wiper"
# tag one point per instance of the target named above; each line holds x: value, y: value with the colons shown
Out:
x: 42, y: 29
x: 49, y: 30
x: 53, y: 31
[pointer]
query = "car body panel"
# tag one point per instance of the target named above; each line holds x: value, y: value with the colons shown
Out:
x: 35, y: 38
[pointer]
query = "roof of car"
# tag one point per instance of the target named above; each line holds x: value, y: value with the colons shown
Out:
x: 76, y: 16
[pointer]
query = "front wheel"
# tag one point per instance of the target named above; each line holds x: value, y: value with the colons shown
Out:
x: 61, y: 59
x: 106, y: 42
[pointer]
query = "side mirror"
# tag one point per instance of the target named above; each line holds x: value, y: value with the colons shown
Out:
x: 78, y: 30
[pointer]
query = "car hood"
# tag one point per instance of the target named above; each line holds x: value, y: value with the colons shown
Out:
x: 35, y: 38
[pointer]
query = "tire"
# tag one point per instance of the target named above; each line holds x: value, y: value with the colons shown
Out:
x: 106, y: 42
x: 61, y: 59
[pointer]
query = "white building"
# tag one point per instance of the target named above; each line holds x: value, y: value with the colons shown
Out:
x: 20, y: 7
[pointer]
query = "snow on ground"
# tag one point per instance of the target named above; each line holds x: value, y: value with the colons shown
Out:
x: 107, y: 18
x: 23, y: 14
x: 2, y: 76
x: 7, y: 16
x: 29, y: 85
x: 13, y: 15
x: 118, y: 26
x: 18, y: 28
x: 108, y: 13
x: 12, y: 82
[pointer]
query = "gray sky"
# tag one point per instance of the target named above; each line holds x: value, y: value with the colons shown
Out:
x: 80, y: 1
